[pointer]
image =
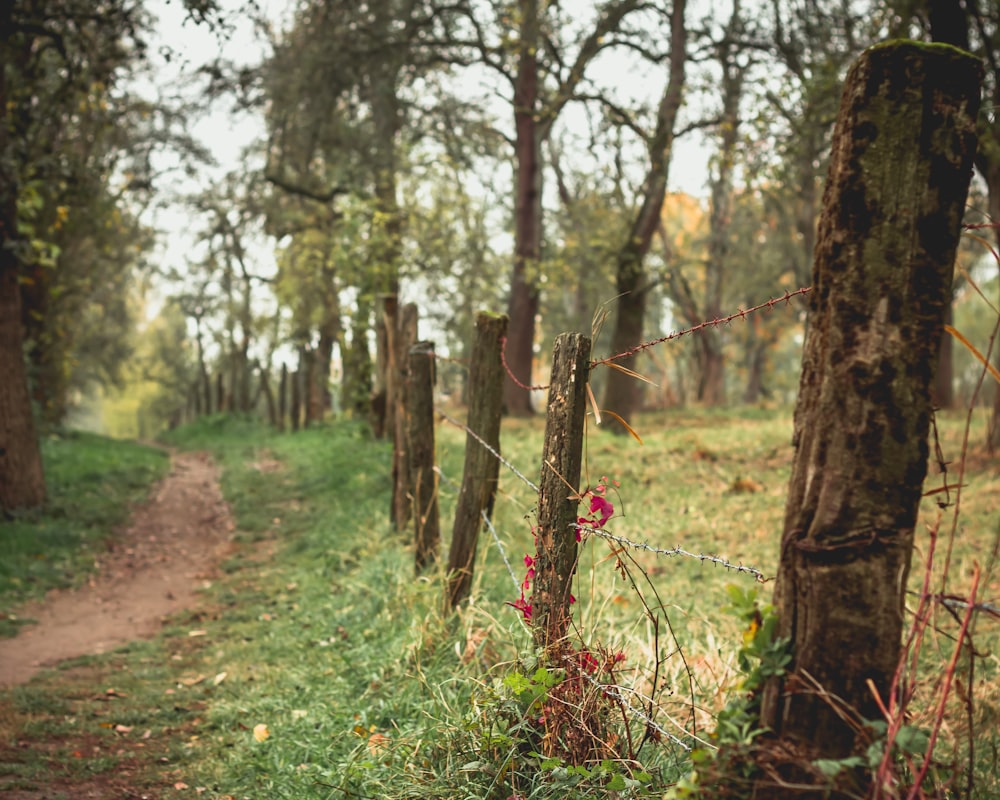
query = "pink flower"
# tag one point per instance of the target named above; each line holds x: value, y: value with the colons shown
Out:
x: 601, y: 509
x: 523, y: 606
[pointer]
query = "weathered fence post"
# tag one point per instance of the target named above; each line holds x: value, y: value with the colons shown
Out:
x: 401, y: 334
x: 892, y: 210
x: 558, y: 499
x: 481, y: 470
x: 420, y: 430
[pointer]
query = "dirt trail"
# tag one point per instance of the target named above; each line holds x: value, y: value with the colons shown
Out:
x: 154, y: 568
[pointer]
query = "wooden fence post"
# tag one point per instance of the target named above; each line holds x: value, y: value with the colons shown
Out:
x: 420, y: 429
x: 481, y: 470
x: 892, y: 211
x: 401, y: 338
x: 558, y: 498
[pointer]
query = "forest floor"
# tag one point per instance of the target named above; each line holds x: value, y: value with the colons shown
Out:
x: 154, y: 569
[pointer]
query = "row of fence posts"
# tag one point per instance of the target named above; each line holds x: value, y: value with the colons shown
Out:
x: 410, y: 392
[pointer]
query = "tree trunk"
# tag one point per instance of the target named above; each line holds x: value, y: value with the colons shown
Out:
x: 712, y: 368
x: 481, y: 470
x: 221, y: 401
x: 22, y: 480
x: 283, y: 397
x: 943, y: 394
x: 623, y: 393
x: 272, y: 407
x: 711, y: 389
x: 523, y: 302
x: 356, y: 389
x: 756, y: 361
x: 895, y: 193
x: 296, y: 401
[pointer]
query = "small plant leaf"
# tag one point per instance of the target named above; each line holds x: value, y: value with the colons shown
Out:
x: 972, y: 349
x: 625, y: 425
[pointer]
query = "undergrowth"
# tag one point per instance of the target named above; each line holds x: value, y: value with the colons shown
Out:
x: 323, y: 667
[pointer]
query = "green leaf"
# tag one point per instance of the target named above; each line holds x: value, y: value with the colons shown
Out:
x: 912, y: 740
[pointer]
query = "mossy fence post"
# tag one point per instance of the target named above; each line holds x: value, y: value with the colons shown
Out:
x: 481, y: 470
x: 401, y: 333
x: 420, y: 447
x: 558, y: 494
x: 882, y: 276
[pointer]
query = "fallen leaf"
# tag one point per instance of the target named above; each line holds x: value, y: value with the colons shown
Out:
x: 180, y: 785
x: 219, y: 678
x: 378, y: 743
x: 123, y: 729
x: 192, y: 681
x: 260, y: 732
x: 197, y: 633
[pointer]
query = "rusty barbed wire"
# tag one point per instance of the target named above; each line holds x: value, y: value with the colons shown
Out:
x: 712, y: 323
x: 975, y: 226
x: 510, y: 373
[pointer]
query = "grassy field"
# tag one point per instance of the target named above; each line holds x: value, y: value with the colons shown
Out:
x: 323, y: 668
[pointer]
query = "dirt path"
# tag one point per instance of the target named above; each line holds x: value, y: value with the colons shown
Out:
x: 154, y: 569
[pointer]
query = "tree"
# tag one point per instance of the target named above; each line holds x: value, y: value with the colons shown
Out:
x: 532, y: 57
x: 622, y: 392
x: 900, y: 168
x: 338, y: 112
x: 51, y: 55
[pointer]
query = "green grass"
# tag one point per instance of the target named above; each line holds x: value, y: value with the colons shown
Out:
x: 319, y: 629
x: 92, y: 482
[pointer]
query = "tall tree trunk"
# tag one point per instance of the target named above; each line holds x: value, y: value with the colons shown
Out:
x: 623, y: 393
x: 283, y: 397
x: 712, y: 387
x: 356, y: 389
x: 523, y: 302
x: 882, y: 280
x: 22, y: 480
x: 756, y: 361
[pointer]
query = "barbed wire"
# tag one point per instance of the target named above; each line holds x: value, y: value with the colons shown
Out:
x: 510, y: 372
x: 712, y: 323
x: 489, y: 527
x: 675, y: 551
x: 975, y: 226
x: 615, y: 691
x: 484, y: 443
x: 956, y: 602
